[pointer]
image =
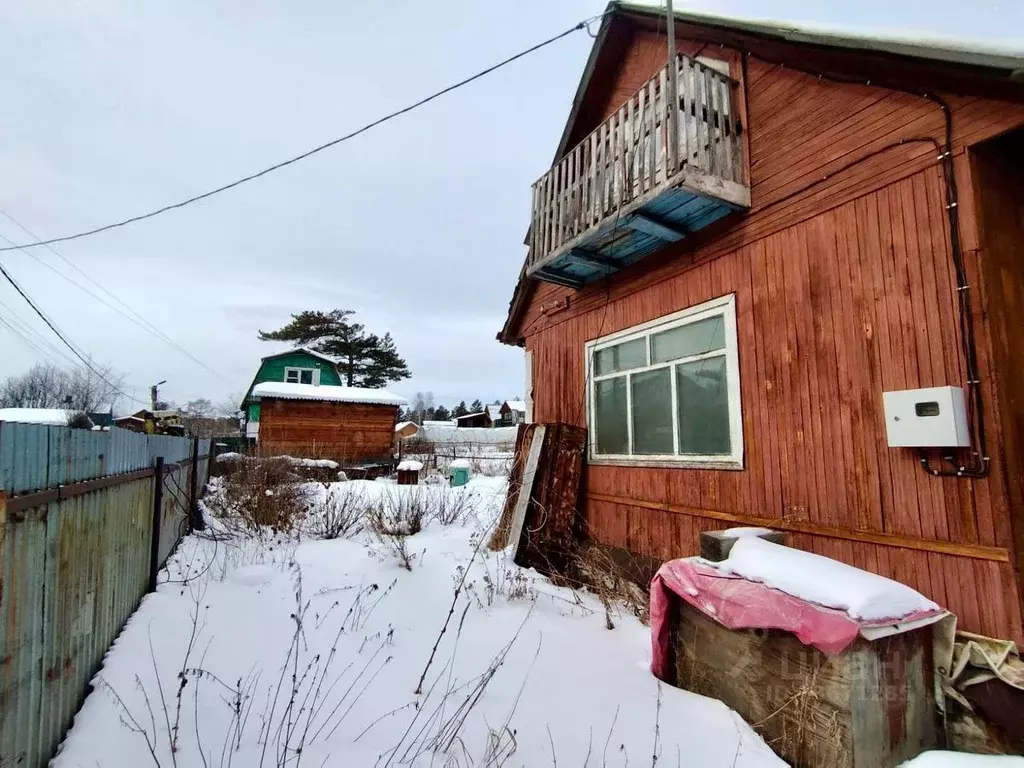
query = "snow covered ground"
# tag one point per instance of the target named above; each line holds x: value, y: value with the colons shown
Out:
x: 265, y: 649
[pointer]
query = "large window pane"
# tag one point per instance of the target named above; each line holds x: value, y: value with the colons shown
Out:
x: 703, y: 407
x: 610, y: 411
x: 621, y: 357
x: 686, y: 340
x: 652, y: 412
x: 306, y: 377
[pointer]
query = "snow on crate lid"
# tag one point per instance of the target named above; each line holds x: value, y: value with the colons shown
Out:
x: 816, y: 579
x: 286, y: 391
x: 943, y: 759
x: 410, y: 465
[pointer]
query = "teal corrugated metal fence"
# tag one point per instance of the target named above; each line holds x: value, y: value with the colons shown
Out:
x: 76, y: 527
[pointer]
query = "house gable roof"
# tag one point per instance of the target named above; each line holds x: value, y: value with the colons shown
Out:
x: 301, y: 351
x: 950, y: 65
x: 294, y: 351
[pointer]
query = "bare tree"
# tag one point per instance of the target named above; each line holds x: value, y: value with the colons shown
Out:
x: 200, y: 408
x: 229, y: 407
x: 46, y: 385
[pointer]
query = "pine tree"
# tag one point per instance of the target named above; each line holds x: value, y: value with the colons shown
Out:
x: 442, y: 414
x: 364, y: 359
x: 460, y: 410
x: 476, y: 406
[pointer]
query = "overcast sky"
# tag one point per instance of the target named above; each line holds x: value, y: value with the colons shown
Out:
x: 112, y: 108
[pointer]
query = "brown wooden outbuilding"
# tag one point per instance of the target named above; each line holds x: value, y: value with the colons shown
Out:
x: 350, y: 425
x: 838, y: 218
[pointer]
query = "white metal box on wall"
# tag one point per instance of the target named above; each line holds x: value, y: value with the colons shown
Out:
x: 935, y: 417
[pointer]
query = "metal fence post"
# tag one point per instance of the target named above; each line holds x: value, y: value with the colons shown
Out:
x: 158, y: 504
x: 195, y: 519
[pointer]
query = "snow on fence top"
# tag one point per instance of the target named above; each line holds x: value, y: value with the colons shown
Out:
x: 821, y: 580
x: 452, y: 434
x: 288, y: 391
x: 56, y: 417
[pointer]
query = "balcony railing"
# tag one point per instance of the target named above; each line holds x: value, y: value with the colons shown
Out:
x: 634, y: 157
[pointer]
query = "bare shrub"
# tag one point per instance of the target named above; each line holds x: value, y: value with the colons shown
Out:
x: 264, y: 493
x: 610, y: 580
x: 227, y: 464
x: 338, y: 514
x: 400, y: 513
x: 452, y: 508
x: 395, y: 518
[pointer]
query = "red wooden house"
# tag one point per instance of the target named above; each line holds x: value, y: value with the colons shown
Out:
x: 723, y: 281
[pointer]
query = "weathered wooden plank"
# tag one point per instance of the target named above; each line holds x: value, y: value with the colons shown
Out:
x: 652, y: 135
x: 668, y: 139
x: 700, y: 117
x: 526, y: 490
x: 873, y: 704
x: 629, y: 159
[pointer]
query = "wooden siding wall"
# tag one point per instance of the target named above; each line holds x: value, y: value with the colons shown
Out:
x: 345, y: 432
x: 997, y: 169
x: 842, y: 291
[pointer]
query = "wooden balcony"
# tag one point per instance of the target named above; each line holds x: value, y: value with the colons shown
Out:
x: 645, y: 177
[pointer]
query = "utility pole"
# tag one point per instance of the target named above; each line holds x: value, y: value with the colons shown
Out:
x: 153, y: 398
x: 672, y: 96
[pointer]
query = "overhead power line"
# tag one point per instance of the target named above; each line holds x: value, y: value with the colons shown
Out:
x: 43, y: 346
x: 128, y: 313
x: 327, y: 145
x: 57, y: 332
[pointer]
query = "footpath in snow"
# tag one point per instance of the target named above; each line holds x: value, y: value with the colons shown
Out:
x: 264, y: 649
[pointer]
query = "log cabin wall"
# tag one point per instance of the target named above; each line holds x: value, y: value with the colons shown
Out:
x: 843, y: 289
x: 345, y: 432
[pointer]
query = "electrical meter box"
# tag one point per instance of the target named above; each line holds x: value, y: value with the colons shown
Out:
x: 935, y: 417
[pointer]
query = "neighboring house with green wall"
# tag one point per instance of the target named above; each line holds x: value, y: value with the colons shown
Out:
x: 295, y: 366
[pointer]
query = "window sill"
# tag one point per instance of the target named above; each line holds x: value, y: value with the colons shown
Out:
x: 597, y: 461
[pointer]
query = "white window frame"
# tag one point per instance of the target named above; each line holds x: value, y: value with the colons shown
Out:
x: 298, y: 375
x: 724, y: 307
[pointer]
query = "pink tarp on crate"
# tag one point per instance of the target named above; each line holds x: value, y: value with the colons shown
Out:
x: 738, y: 603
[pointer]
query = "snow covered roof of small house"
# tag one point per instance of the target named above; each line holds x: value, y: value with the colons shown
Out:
x: 494, y: 411
x: 1006, y: 52
x: 286, y: 391
x: 404, y: 425
x: 516, y: 405
x: 429, y: 423
x: 467, y: 416
x: 51, y: 416
x: 304, y: 351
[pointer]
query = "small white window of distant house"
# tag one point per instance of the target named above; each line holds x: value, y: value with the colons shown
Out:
x: 668, y: 391
x: 302, y: 375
